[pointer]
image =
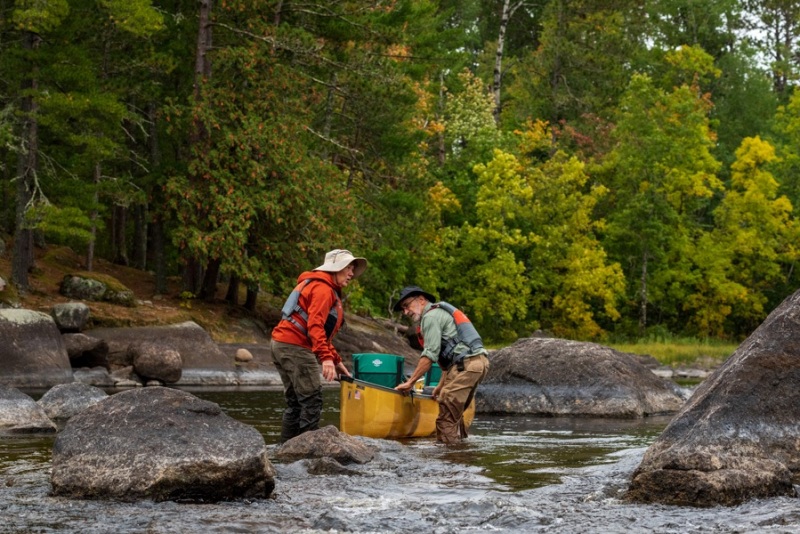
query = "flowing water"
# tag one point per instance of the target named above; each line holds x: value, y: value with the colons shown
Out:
x: 514, y: 474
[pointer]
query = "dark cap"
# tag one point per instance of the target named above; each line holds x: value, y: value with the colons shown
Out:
x: 411, y: 291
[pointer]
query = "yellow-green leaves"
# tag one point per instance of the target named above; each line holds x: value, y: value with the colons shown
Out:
x: 504, y: 196
x: 137, y: 17
x: 39, y: 16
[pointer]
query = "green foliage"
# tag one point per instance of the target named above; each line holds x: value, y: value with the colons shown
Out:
x: 368, y: 125
x: 584, y: 59
x: 755, y: 232
x: 674, y: 351
x: 62, y: 226
x: 661, y: 174
x: 134, y: 16
x: 39, y: 17
x: 531, y: 259
x: 254, y: 200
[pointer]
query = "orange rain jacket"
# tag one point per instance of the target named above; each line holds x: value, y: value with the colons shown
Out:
x: 318, y: 298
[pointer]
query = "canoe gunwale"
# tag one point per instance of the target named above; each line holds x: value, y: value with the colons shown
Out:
x: 411, y: 393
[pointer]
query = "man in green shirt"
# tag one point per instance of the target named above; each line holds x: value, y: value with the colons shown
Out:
x: 449, y: 339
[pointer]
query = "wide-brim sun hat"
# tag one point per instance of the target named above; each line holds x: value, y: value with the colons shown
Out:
x: 411, y: 291
x: 338, y: 259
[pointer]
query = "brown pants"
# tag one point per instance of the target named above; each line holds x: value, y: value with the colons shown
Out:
x: 302, y: 388
x: 458, y: 391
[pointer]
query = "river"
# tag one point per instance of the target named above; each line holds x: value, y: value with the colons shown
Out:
x: 514, y: 474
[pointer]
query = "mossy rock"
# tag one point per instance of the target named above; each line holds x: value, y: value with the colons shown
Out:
x: 9, y: 296
x: 86, y: 285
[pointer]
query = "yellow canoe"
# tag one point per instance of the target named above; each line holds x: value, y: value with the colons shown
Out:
x: 374, y: 411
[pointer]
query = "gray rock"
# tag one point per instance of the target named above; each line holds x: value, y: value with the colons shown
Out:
x: 549, y: 376
x: 124, y: 373
x: 19, y: 414
x: 86, y: 351
x: 128, y: 383
x: 153, y: 361
x: 33, y: 351
x: 327, y: 442
x: 197, y: 349
x: 738, y: 437
x: 96, y: 376
x: 327, y: 466
x: 97, y: 287
x: 70, y: 316
x: 159, y: 444
x: 64, y: 401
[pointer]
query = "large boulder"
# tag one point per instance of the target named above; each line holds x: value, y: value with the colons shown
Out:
x: 97, y: 287
x: 154, y: 361
x: 31, y: 350
x: 327, y: 442
x: 70, y: 316
x: 197, y: 349
x: 19, y: 414
x: 545, y: 376
x: 64, y: 401
x: 159, y: 444
x: 86, y: 351
x: 738, y: 437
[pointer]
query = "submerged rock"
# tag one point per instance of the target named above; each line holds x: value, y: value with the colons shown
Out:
x: 327, y: 442
x: 19, y: 414
x: 159, y: 444
x: 547, y: 376
x: 738, y: 437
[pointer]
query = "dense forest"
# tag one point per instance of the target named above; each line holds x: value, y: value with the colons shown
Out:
x: 619, y: 168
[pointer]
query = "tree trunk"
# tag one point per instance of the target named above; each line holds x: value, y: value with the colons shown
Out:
x: 556, y: 74
x: 498, y: 58
x: 209, y: 289
x: 119, y: 225
x: 329, y: 101
x: 202, y: 65
x: 28, y: 163
x: 232, y: 296
x: 643, y: 297
x: 93, y: 218
x: 158, y: 213
x: 158, y: 255
x: 192, y: 275
x: 252, y: 298
x: 442, y: 148
x: 140, y: 236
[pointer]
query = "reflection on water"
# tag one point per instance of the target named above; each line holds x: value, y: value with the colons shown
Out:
x: 521, y: 452
x: 518, y: 452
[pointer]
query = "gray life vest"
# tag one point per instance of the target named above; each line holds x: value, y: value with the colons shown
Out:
x: 292, y: 307
x: 465, y: 333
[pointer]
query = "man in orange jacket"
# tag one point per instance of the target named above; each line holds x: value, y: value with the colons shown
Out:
x: 302, y: 340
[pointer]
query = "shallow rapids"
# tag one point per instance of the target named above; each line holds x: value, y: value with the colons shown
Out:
x: 515, y: 474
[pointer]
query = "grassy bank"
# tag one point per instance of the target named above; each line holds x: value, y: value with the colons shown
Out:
x: 677, y: 352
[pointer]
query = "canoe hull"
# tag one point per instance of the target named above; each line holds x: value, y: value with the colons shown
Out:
x: 379, y: 412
